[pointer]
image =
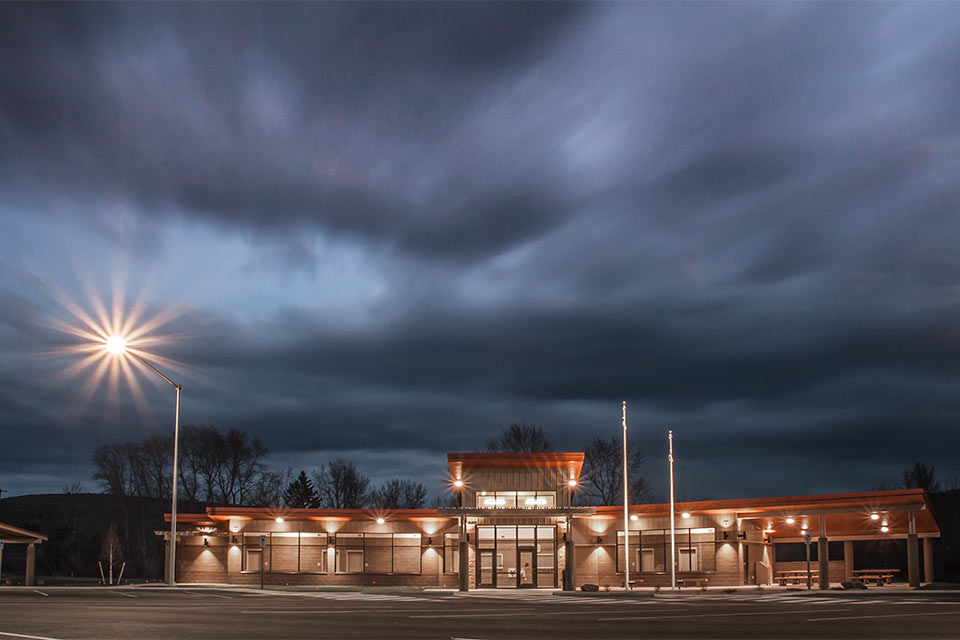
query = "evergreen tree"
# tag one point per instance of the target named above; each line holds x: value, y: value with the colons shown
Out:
x: 300, y: 493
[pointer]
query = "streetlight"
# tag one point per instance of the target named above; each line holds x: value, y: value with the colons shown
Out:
x: 626, y: 506
x: 117, y: 346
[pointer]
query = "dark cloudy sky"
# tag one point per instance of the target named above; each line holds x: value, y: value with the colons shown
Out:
x: 391, y: 230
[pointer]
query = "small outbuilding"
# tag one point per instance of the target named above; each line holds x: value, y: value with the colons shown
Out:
x: 10, y: 535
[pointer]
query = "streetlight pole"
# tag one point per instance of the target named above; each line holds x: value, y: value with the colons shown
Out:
x: 172, y: 567
x: 626, y: 507
x: 673, y: 518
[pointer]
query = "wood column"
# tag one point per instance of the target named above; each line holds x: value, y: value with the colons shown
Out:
x: 31, y: 564
x: 928, y: 560
x: 848, y: 559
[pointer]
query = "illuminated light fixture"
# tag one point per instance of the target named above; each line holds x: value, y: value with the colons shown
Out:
x: 572, y: 482
x: 790, y: 520
x: 804, y: 526
x: 115, y: 345
x: 279, y: 520
x: 206, y: 542
x: 884, y: 523
x: 726, y: 522
x: 874, y: 516
x: 458, y: 483
x: 634, y: 517
x: 884, y: 528
x: 235, y: 528
x: 685, y: 514
x: 379, y: 520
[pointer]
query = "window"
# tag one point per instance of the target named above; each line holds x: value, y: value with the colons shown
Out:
x: 379, y: 553
x: 650, y: 550
x: 516, y: 499
x: 285, y: 552
x: 451, y: 553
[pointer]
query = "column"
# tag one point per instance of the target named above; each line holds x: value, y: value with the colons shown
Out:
x: 570, y: 561
x: 166, y: 559
x: 464, y: 557
x: 913, y: 553
x: 823, y: 553
x: 928, y: 560
x: 31, y: 564
x: 740, y: 566
x: 848, y: 559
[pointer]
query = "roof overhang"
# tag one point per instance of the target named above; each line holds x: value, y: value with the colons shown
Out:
x: 571, y: 461
x: 10, y: 534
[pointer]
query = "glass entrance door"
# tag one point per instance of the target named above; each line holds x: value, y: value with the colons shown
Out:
x: 486, y: 575
x: 528, y: 568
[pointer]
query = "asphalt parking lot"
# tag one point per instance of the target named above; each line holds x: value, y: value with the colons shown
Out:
x: 64, y: 613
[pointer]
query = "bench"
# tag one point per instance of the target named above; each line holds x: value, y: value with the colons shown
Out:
x: 695, y: 582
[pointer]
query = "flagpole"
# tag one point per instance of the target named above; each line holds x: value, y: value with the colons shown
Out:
x: 626, y: 506
x: 673, y: 517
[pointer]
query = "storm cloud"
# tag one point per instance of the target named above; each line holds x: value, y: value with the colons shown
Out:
x: 397, y: 228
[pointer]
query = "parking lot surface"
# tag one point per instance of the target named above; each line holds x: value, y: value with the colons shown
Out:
x: 64, y: 613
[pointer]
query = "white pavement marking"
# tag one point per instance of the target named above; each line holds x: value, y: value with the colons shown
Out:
x: 715, y: 615
x: 889, y: 615
x: 121, y: 593
x: 478, y: 615
x: 23, y: 635
x: 45, y: 595
x: 211, y: 595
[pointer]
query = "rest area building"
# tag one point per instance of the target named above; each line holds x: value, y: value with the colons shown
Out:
x: 515, y: 527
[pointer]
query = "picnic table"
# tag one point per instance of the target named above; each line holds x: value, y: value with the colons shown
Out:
x: 879, y: 577
x: 797, y: 576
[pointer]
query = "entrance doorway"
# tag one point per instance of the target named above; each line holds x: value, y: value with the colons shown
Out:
x: 486, y: 575
x: 516, y: 556
x: 528, y: 568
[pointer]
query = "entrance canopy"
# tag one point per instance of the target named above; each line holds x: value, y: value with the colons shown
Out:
x: 10, y: 534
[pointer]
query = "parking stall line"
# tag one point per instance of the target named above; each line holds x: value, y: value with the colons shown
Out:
x: 717, y: 615
x: 888, y: 615
x: 23, y: 635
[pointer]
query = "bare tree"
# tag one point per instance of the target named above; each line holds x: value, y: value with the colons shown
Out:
x: 112, y: 550
x: 601, y: 479
x: 110, y: 462
x: 920, y: 476
x: 341, y: 486
x: 520, y: 438
x: 399, y: 494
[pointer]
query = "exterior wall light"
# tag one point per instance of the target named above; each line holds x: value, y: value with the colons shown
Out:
x: 206, y: 542
x: 634, y: 517
x: 685, y: 514
x: 458, y: 483
x: 379, y: 520
x: 874, y: 516
x: 884, y: 528
x: 279, y: 520
x: 572, y: 482
x: 790, y: 520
